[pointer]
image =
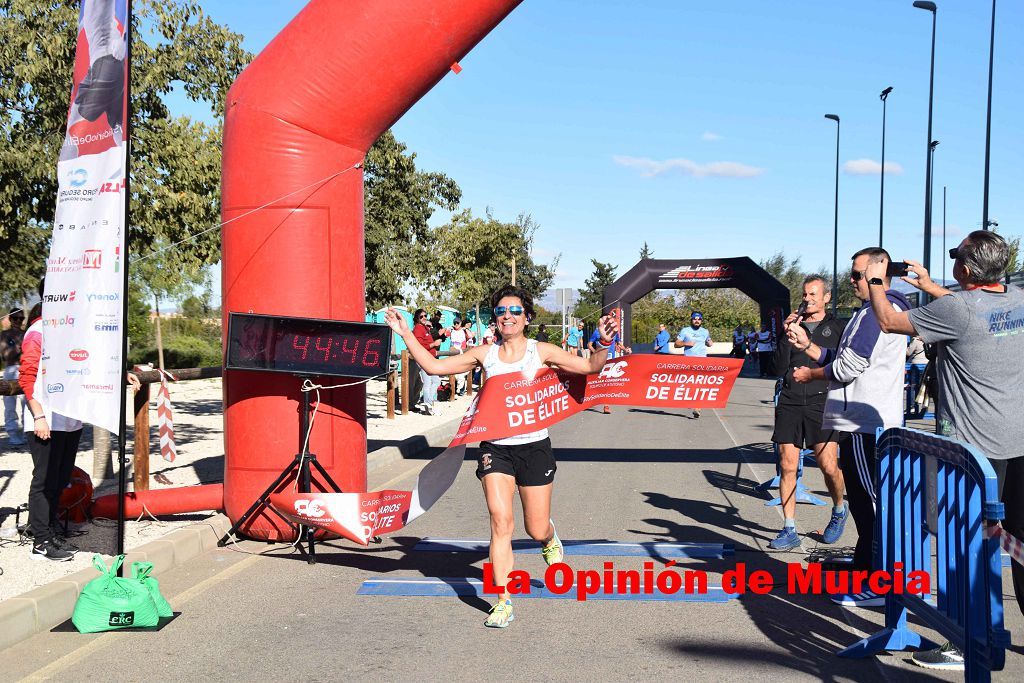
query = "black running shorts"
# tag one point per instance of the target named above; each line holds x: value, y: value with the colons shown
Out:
x: 532, y: 464
x: 801, y: 425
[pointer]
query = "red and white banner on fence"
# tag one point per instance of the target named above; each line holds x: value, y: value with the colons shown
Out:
x: 80, y: 369
x: 513, y: 404
x: 1013, y: 546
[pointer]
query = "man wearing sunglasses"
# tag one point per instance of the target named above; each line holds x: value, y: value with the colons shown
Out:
x: 979, y: 332
x: 10, y: 345
x: 695, y: 340
x: 865, y: 374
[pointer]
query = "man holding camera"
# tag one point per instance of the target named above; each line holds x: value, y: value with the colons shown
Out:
x: 979, y: 332
x: 865, y: 374
x: 799, y: 412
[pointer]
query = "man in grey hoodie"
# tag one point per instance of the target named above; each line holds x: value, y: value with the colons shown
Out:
x: 865, y: 376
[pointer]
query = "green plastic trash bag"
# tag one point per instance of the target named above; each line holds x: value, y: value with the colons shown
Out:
x: 110, y: 602
x: 140, y: 572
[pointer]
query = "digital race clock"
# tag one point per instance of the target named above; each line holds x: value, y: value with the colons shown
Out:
x: 307, y: 346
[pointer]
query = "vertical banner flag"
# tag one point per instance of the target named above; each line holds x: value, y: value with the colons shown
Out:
x: 80, y: 369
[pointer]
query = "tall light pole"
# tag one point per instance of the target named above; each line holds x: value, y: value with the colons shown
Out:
x: 988, y: 119
x: 835, y: 237
x: 881, y: 201
x: 927, y: 260
x: 931, y: 178
x: 943, y: 235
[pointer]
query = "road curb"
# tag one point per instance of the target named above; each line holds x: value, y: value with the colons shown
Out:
x: 43, y: 608
x: 435, y: 437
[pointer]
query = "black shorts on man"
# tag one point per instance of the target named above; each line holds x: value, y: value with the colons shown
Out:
x: 800, y: 424
x: 532, y: 464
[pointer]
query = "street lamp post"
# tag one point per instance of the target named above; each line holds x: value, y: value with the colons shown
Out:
x: 943, y: 235
x: 881, y: 201
x: 835, y: 236
x: 988, y: 120
x: 927, y: 260
x: 931, y: 179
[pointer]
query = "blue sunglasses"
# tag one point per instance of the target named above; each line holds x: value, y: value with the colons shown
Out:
x: 514, y: 310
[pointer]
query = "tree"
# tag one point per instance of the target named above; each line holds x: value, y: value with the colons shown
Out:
x: 646, y: 252
x: 399, y: 202
x: 592, y: 295
x: 472, y: 256
x: 175, y: 161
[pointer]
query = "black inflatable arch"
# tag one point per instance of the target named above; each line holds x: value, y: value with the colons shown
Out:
x: 739, y: 273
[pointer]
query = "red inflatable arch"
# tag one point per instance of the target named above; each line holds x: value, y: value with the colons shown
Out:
x: 308, y: 108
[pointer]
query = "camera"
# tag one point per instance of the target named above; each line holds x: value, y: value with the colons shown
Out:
x: 896, y: 269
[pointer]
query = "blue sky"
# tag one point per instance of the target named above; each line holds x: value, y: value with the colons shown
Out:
x: 699, y: 127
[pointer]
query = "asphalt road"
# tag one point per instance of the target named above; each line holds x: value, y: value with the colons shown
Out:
x: 260, y: 612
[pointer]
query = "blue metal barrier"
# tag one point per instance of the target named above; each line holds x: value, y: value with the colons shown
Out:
x: 965, y: 570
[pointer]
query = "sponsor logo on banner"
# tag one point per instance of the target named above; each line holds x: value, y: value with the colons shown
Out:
x: 101, y: 388
x: 59, y: 298
x: 54, y: 388
x: 78, y: 177
x: 699, y: 273
x: 112, y: 296
x: 66, y: 321
x: 92, y: 259
x: 106, y: 327
x: 78, y: 354
x: 613, y: 370
x: 310, y: 508
x: 78, y: 372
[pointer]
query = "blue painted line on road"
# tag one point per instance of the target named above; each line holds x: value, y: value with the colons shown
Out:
x: 605, y: 548
x: 454, y: 587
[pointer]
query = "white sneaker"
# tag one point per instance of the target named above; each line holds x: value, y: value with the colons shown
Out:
x: 865, y: 599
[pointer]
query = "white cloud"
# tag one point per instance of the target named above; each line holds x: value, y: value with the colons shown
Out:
x: 650, y: 168
x: 871, y: 167
x: 710, y: 137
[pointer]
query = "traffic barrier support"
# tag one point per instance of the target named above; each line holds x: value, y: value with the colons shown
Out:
x: 965, y: 570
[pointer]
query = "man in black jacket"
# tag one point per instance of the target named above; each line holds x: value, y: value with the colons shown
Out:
x: 799, y: 412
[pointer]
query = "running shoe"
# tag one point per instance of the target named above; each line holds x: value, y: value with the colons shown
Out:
x: 696, y: 414
x: 48, y: 551
x: 500, y: 616
x: 553, y: 551
x: 835, y: 526
x: 865, y: 599
x: 786, y: 540
x: 945, y: 658
x: 62, y: 543
x: 607, y: 410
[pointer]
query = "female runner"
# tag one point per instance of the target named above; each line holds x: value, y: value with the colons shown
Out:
x: 525, y: 460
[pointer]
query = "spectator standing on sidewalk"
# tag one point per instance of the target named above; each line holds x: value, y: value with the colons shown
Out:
x: 865, y: 374
x: 10, y: 345
x: 979, y: 333
x: 421, y: 331
x: 459, y: 339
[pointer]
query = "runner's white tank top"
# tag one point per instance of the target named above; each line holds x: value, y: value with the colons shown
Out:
x: 528, y: 366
